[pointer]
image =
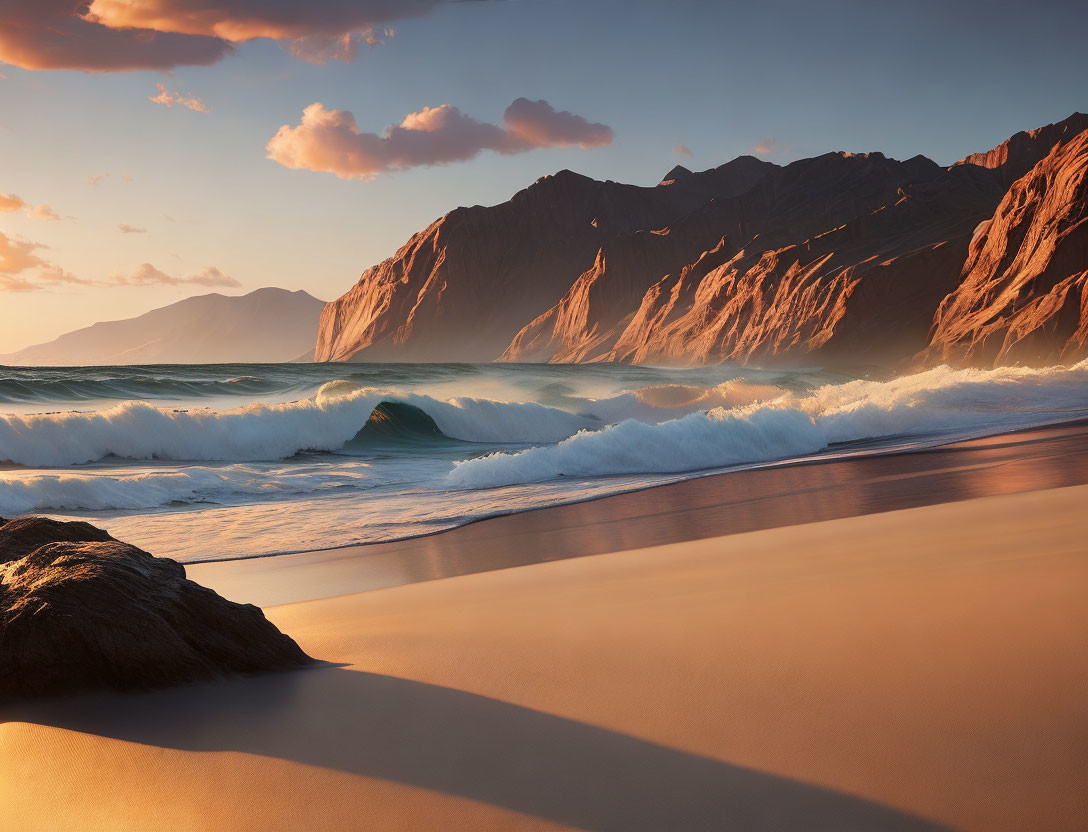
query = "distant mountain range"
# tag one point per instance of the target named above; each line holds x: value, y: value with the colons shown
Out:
x: 842, y: 257
x: 264, y: 326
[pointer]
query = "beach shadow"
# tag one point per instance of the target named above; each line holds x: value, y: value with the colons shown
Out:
x: 472, y: 746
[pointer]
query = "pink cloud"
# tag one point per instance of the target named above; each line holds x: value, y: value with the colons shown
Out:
x: 682, y: 150
x: 16, y: 256
x: 22, y: 270
x: 10, y: 202
x: 148, y: 275
x: 129, y: 35
x: 51, y: 34
x: 540, y: 125
x: 320, y: 49
x: 169, y: 99
x: 764, y: 147
x: 42, y: 212
x: 331, y: 141
x: 94, y: 180
x: 241, y: 20
x: 125, y: 228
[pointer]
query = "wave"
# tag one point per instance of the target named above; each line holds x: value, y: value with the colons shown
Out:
x: 72, y: 387
x: 952, y: 403
x: 325, y: 422
x: 22, y: 493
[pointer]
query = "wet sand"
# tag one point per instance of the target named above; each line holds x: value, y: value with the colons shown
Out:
x: 712, y: 506
x: 914, y: 669
x: 910, y: 670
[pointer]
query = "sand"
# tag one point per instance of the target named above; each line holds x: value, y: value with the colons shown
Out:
x: 696, y: 509
x: 916, y: 669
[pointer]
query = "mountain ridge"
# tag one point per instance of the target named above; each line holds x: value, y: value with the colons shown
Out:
x: 839, y: 257
x: 265, y: 325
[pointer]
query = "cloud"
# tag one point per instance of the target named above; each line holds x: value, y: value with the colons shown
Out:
x: 51, y: 34
x: 94, y: 180
x: 320, y: 49
x: 129, y: 35
x: 148, y: 275
x: 22, y: 270
x: 42, y: 212
x: 11, y: 202
x: 538, y: 124
x: 125, y: 228
x: 682, y: 150
x: 169, y: 99
x: 331, y: 141
x: 764, y: 147
x: 16, y: 256
x: 242, y: 20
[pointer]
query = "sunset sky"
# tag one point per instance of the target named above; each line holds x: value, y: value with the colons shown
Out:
x: 156, y: 149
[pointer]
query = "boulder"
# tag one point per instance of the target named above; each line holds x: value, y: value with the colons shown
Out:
x: 79, y: 610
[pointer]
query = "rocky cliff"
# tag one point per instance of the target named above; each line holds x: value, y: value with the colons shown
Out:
x: 1023, y: 294
x: 461, y: 289
x: 842, y: 257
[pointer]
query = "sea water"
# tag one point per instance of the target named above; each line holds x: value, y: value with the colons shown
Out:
x: 206, y: 462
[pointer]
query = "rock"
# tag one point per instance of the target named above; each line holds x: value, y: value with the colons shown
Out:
x: 864, y: 290
x: 1023, y: 293
x: 588, y: 319
x: 1020, y: 153
x: 461, y: 289
x: 845, y: 257
x: 81, y: 610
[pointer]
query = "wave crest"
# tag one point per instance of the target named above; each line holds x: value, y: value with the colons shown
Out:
x: 325, y: 422
x: 951, y: 403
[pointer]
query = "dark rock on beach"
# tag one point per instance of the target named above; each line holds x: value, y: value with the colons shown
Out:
x: 79, y: 609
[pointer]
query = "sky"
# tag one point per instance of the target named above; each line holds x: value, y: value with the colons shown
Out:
x: 156, y: 149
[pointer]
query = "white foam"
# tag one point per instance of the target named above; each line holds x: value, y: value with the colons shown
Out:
x: 325, y: 422
x: 938, y: 401
x: 23, y: 492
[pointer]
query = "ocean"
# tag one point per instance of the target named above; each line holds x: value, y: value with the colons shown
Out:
x: 207, y: 462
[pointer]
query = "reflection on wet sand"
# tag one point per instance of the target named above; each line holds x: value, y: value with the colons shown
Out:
x: 712, y: 506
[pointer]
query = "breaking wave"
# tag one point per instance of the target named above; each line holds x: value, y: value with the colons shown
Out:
x: 326, y: 422
x: 106, y: 491
x: 939, y: 402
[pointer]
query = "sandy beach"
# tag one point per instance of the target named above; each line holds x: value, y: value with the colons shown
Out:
x: 912, y: 659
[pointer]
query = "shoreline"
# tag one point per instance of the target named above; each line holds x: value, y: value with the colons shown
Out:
x: 709, y: 505
x: 913, y: 670
x: 826, y: 457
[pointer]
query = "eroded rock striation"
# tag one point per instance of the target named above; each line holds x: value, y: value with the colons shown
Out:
x: 79, y: 609
x: 1023, y: 293
x: 840, y: 258
x: 461, y: 289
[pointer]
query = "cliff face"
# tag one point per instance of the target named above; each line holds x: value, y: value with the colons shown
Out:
x: 461, y: 289
x: 598, y: 312
x: 843, y: 257
x: 863, y: 290
x: 1020, y: 153
x: 1022, y: 293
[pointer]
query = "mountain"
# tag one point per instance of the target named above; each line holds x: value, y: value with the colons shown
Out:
x: 267, y: 325
x: 1023, y: 294
x: 462, y: 288
x: 841, y: 257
